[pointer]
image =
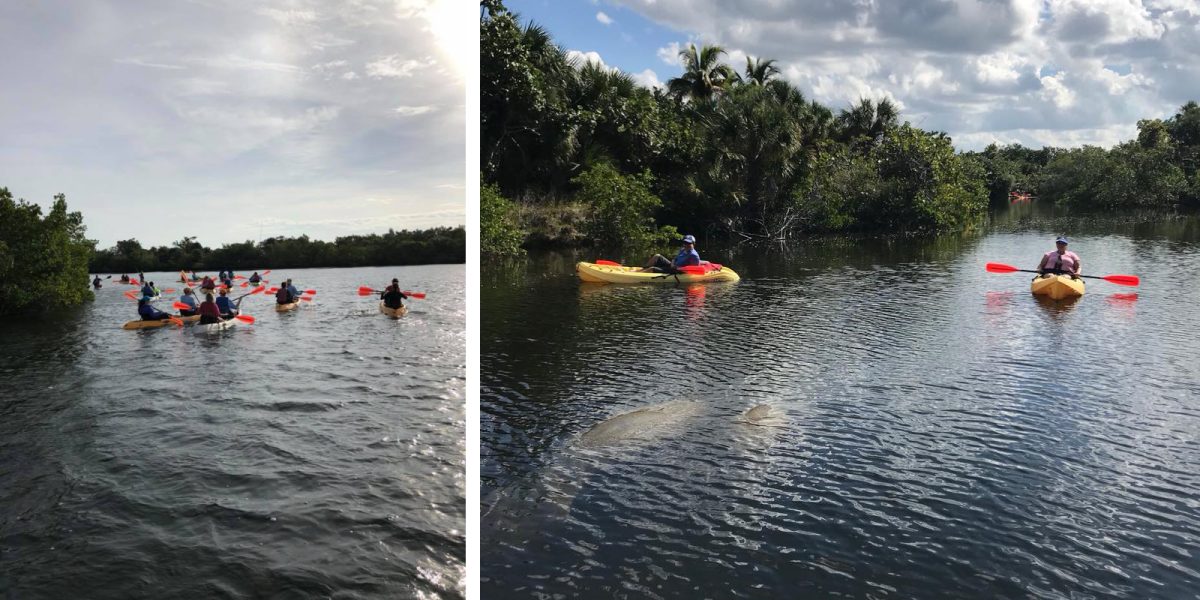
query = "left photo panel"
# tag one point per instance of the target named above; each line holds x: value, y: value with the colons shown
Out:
x: 233, y: 319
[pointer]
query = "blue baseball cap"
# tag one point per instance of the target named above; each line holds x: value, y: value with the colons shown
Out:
x: 1062, y: 239
x: 689, y: 239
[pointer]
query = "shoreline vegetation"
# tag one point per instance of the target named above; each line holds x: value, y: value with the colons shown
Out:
x: 46, y: 262
x: 575, y: 154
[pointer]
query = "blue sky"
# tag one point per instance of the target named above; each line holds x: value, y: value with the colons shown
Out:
x: 227, y: 120
x: 1035, y: 72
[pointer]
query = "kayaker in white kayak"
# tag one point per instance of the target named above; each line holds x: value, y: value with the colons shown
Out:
x: 1060, y: 260
x: 687, y: 256
x: 189, y: 298
x: 392, y: 296
x: 255, y: 278
x: 227, y: 307
x: 209, y: 313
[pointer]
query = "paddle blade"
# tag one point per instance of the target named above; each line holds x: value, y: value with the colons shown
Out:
x: 272, y: 290
x: 245, y: 283
x: 239, y: 277
x: 169, y: 291
x: 256, y: 290
x: 1001, y: 268
x: 182, y: 306
x: 365, y: 291
x: 245, y: 318
x: 693, y: 270
x: 1123, y: 279
x: 264, y: 273
x: 309, y: 292
x: 177, y: 321
x: 420, y: 295
x: 609, y: 263
x: 306, y: 298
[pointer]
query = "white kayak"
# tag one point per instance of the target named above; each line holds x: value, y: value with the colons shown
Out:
x: 214, y: 327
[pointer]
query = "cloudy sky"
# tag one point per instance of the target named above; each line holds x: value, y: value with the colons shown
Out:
x: 1053, y: 72
x: 230, y: 120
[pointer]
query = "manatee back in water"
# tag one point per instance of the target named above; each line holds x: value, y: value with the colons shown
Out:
x: 642, y: 423
x: 763, y: 415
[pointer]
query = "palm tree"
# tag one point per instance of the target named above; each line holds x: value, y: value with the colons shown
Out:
x: 704, y: 75
x: 867, y: 121
x: 759, y: 72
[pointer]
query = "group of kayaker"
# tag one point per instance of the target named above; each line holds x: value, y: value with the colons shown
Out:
x: 1059, y: 261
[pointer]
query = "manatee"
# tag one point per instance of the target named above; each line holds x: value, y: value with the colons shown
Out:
x: 643, y: 423
x: 761, y: 415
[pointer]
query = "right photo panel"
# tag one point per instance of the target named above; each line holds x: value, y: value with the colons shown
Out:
x: 839, y: 300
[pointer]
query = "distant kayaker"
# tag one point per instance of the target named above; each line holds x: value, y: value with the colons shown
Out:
x: 124, y: 278
x: 228, y: 309
x: 255, y: 278
x: 392, y: 296
x: 141, y: 277
x: 148, y: 312
x: 687, y: 256
x: 189, y: 298
x: 147, y: 289
x: 96, y: 282
x: 1060, y: 260
x: 194, y: 277
x: 230, y: 274
x: 209, y: 313
x: 183, y: 277
x: 221, y: 275
x: 208, y: 285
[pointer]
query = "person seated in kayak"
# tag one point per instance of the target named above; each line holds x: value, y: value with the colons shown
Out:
x: 124, y: 278
x: 227, y: 281
x: 392, y: 296
x: 255, y: 278
x: 96, y: 282
x: 227, y: 307
x: 194, y: 277
x: 687, y: 256
x: 1060, y: 261
x: 221, y: 275
x: 208, y: 285
x: 147, y: 289
x: 189, y: 298
x: 292, y: 291
x: 230, y: 274
x: 148, y: 312
x: 284, y: 295
x: 209, y: 313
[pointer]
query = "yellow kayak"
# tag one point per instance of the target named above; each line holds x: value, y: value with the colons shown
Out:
x: 1057, y: 287
x: 618, y: 274
x: 142, y: 324
x: 394, y: 313
x: 286, y: 307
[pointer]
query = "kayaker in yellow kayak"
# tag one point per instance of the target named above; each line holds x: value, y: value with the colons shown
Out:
x: 147, y: 311
x: 1060, y: 260
x: 287, y: 293
x: 392, y: 296
x: 687, y: 256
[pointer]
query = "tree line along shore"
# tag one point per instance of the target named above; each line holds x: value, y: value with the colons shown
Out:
x: 576, y: 154
x: 45, y: 260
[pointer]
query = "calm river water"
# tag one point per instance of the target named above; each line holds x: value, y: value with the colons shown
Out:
x: 313, y: 454
x: 937, y: 431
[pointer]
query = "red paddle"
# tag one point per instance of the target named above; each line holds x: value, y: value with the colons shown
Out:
x: 607, y: 263
x: 246, y: 318
x: 1117, y: 279
x: 366, y: 291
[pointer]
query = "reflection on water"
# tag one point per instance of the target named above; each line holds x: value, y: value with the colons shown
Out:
x: 940, y: 431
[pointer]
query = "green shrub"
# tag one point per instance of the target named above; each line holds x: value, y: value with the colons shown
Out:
x: 43, y: 261
x: 622, y: 208
x: 498, y: 232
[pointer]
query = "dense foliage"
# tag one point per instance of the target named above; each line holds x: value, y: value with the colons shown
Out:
x: 739, y: 154
x: 498, y: 232
x: 430, y: 246
x: 747, y: 156
x: 43, y: 260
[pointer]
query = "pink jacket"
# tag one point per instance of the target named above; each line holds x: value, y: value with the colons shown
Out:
x: 1067, y: 261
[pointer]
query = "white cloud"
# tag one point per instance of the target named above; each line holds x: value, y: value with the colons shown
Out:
x: 411, y: 111
x: 1055, y: 91
x: 143, y: 63
x: 585, y: 57
x: 395, y: 67
x: 603, y: 18
x: 670, y: 54
x: 647, y: 78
